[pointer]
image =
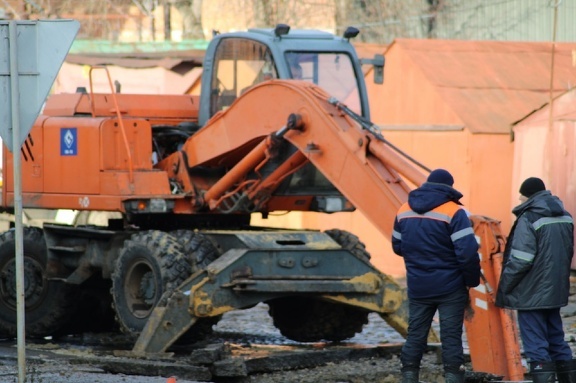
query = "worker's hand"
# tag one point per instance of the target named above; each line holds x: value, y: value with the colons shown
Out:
x: 468, y: 310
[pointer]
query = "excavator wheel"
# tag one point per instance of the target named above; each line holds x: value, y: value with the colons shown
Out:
x: 200, y: 252
x: 49, y: 304
x: 150, y: 263
x: 309, y: 320
x: 350, y: 242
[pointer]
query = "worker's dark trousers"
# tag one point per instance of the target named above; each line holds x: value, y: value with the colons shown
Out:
x: 451, y: 311
x: 543, y: 336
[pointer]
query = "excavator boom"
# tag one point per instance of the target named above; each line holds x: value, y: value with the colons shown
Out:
x: 360, y: 165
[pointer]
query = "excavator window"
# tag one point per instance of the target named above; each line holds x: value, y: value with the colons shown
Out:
x: 239, y: 64
x: 333, y: 72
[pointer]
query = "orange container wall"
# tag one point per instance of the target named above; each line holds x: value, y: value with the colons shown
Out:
x: 489, y: 176
x: 545, y: 148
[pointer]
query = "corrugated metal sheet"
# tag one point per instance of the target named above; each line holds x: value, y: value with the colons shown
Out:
x: 547, y: 149
x: 491, y: 84
x: 507, y: 20
x: 167, y: 60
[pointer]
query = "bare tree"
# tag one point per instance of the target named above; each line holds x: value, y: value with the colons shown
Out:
x: 191, y: 11
x: 147, y: 8
x: 298, y: 14
x: 103, y: 19
x: 266, y: 11
x: 380, y: 21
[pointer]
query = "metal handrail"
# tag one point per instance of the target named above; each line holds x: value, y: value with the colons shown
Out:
x: 118, y: 114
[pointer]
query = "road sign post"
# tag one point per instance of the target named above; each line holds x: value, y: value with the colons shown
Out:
x: 31, y: 54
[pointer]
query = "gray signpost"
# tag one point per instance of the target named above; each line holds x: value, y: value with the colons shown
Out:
x: 31, y: 54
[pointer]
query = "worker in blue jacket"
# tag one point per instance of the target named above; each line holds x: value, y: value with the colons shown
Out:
x: 433, y: 233
x: 535, y: 280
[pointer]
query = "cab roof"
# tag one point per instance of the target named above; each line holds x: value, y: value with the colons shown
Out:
x: 296, y: 33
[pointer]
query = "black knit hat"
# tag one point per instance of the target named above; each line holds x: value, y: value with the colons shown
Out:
x: 531, y: 186
x: 441, y: 176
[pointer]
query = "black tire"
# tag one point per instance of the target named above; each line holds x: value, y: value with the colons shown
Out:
x: 200, y: 252
x: 350, y: 242
x: 310, y: 320
x: 48, y: 304
x: 149, y: 264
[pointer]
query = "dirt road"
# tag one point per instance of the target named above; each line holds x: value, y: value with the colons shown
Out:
x: 245, y: 348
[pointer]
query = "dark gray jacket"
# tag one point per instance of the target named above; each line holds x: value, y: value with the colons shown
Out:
x: 536, y: 269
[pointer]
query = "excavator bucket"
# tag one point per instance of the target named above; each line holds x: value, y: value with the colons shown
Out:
x: 492, y: 332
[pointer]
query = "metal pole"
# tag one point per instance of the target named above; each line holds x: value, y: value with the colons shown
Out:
x: 17, y: 202
x: 550, y: 133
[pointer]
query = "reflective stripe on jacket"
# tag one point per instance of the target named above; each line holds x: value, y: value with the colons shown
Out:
x: 439, y: 248
x: 538, y: 255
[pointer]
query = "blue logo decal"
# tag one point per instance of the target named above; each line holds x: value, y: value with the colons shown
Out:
x: 68, y: 142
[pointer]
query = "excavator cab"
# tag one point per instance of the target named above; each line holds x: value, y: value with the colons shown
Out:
x: 236, y: 63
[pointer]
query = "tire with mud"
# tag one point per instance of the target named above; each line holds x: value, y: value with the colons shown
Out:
x: 48, y: 304
x: 350, y: 242
x: 200, y: 252
x: 150, y: 263
x: 306, y: 319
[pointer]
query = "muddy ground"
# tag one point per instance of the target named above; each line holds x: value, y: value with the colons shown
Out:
x: 245, y: 348
x: 267, y: 357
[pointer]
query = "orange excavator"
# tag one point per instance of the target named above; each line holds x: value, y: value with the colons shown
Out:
x: 180, y: 177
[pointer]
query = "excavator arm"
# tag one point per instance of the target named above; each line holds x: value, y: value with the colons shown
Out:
x: 357, y: 161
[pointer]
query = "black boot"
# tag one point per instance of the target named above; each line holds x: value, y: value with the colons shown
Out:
x: 410, y: 374
x: 543, y: 372
x: 454, y: 374
x: 566, y: 371
x: 451, y: 377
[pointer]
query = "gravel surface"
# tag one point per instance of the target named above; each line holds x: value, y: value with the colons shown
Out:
x: 246, y: 330
x: 251, y: 329
x: 381, y: 369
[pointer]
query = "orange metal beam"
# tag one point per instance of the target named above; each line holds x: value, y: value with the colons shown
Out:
x: 492, y: 332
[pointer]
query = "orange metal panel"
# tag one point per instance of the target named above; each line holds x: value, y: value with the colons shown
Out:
x: 136, y: 105
x: 143, y: 105
x: 62, y: 105
x: 492, y: 333
x: 151, y: 183
x: 114, y: 152
x: 68, y: 201
x: 32, y: 158
x: 116, y: 187
x: 72, y: 158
